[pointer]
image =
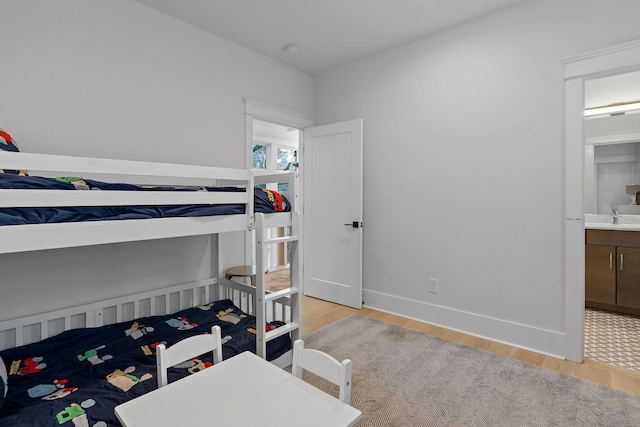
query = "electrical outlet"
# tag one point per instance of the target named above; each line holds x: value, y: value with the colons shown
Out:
x: 433, y: 285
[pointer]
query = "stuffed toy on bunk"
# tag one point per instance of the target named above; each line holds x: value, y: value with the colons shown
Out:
x: 9, y: 144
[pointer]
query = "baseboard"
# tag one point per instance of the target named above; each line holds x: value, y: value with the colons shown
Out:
x: 551, y: 343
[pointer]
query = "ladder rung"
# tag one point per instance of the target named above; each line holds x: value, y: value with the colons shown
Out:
x: 280, y: 240
x: 277, y: 332
x: 279, y: 294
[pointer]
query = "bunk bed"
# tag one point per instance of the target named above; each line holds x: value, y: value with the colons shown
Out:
x: 72, y: 366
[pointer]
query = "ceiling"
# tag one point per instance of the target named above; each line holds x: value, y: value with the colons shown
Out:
x: 328, y: 32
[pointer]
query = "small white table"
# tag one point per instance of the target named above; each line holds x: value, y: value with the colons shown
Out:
x: 244, y: 390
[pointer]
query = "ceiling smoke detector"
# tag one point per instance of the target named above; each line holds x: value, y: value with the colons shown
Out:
x: 292, y: 49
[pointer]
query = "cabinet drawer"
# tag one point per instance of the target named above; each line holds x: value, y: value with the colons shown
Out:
x: 629, y: 239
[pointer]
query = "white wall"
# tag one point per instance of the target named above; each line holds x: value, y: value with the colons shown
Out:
x: 120, y: 80
x: 468, y: 123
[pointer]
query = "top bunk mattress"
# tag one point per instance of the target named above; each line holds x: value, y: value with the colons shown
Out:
x: 265, y: 201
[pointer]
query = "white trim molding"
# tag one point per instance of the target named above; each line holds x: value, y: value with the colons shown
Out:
x: 274, y: 114
x: 598, y: 63
x: 544, y: 341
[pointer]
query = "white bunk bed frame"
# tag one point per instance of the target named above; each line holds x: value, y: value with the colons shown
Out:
x: 266, y: 306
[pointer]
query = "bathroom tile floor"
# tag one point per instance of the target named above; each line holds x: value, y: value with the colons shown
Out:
x: 612, y: 338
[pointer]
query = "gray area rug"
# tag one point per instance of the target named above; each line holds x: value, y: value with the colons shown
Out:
x: 406, y: 378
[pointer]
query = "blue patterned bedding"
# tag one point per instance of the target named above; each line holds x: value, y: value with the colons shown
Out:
x: 77, y: 378
x: 266, y: 201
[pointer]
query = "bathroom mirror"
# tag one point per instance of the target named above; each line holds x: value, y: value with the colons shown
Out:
x: 612, y: 150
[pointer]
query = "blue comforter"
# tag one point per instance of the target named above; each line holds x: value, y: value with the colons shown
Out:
x: 266, y: 201
x: 77, y: 378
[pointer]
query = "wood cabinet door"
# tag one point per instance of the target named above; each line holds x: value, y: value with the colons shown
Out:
x: 600, y: 274
x: 628, y: 266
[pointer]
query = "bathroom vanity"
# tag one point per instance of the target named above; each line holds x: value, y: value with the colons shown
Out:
x: 612, y: 266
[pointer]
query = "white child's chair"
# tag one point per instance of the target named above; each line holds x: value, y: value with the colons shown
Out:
x: 324, y: 365
x: 186, y: 349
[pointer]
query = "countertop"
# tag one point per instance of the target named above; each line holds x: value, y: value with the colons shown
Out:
x: 605, y: 222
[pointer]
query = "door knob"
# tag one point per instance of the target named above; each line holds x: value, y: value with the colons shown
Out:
x: 354, y: 224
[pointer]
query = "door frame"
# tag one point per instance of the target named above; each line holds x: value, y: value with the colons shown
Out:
x: 258, y: 110
x: 605, y: 62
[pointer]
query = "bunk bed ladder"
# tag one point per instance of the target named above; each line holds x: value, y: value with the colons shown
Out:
x: 291, y: 294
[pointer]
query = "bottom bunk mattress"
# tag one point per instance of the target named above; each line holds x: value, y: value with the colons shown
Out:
x: 78, y: 377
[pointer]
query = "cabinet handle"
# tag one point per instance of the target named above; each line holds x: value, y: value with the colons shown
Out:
x: 610, y: 260
x: 621, y: 262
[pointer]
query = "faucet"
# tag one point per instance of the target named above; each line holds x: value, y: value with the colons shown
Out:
x: 615, y: 214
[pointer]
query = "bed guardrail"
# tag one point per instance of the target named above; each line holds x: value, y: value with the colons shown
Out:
x: 34, y: 328
x: 131, y: 172
x: 135, y: 172
x: 244, y: 296
x: 29, y: 329
x: 16, y: 239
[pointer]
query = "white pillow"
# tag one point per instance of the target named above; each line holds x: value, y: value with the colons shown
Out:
x: 3, y: 378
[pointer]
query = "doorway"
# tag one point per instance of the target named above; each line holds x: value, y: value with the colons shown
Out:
x: 579, y: 69
x: 273, y: 127
x: 276, y: 148
x: 612, y: 160
x: 331, y: 134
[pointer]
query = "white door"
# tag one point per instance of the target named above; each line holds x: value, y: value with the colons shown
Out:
x: 332, y: 177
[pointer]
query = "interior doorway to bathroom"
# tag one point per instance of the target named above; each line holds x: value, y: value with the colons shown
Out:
x: 612, y: 178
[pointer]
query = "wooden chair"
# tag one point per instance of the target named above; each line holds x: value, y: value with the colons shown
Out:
x: 187, y: 349
x: 324, y: 365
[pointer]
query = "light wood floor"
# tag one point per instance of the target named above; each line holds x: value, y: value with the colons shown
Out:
x: 318, y: 313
